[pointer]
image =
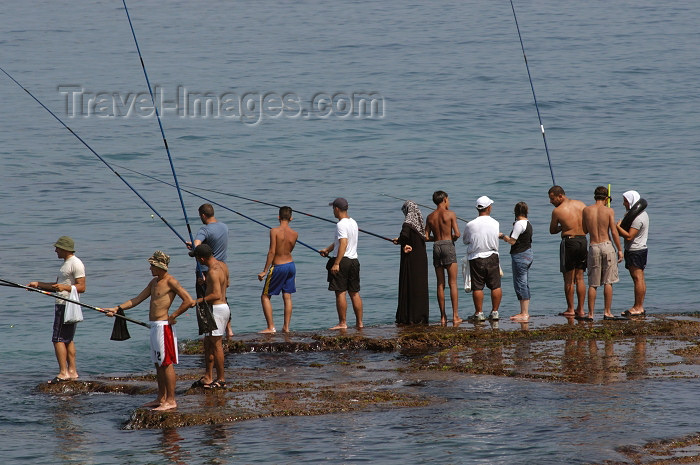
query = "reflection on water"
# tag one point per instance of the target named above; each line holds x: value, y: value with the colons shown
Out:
x: 171, y: 447
x: 70, y: 435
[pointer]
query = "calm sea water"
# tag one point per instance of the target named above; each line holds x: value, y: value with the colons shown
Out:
x: 616, y: 86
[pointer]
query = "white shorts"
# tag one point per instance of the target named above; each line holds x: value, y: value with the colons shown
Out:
x: 221, y: 315
x: 163, y: 343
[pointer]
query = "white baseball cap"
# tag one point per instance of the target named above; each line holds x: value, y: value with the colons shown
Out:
x: 483, y: 202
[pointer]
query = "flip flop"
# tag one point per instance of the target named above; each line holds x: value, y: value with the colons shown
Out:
x: 198, y: 383
x: 615, y: 318
x: 57, y: 380
x: 568, y: 315
x: 629, y: 314
x: 585, y: 318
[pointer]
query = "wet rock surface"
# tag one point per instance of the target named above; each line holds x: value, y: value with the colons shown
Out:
x: 301, y: 374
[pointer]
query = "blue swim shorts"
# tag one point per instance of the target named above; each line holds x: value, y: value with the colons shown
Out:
x: 280, y: 278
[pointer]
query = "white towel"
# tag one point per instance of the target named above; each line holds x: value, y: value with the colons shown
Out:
x: 467, y: 276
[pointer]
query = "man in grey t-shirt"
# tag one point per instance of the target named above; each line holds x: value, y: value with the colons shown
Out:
x: 635, y: 252
x: 214, y: 233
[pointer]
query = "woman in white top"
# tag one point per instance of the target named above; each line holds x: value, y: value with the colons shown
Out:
x: 521, y: 255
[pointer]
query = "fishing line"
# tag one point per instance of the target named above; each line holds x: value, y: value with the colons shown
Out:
x: 213, y: 202
x: 96, y: 154
x: 91, y: 307
x: 244, y: 198
x: 420, y: 205
x: 160, y: 125
x: 544, y: 138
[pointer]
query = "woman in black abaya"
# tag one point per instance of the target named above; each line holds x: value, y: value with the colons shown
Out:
x: 413, y: 273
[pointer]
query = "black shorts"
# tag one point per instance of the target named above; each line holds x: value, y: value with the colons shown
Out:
x: 348, y: 278
x: 636, y: 258
x: 62, y: 332
x: 573, y: 253
x: 485, y: 271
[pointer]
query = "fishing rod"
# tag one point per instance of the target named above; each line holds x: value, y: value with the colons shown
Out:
x: 160, y: 125
x: 419, y: 204
x: 244, y: 198
x: 532, y: 87
x: 91, y: 307
x: 97, y: 155
x: 211, y: 201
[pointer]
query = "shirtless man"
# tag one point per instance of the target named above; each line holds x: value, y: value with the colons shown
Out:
x: 280, y: 270
x: 214, y: 295
x: 599, y: 224
x: 441, y: 227
x: 567, y: 220
x: 162, y: 290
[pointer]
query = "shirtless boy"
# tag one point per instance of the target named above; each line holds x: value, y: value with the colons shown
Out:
x: 280, y: 270
x: 441, y: 227
x: 599, y: 223
x: 215, y: 295
x: 567, y: 220
x: 162, y: 290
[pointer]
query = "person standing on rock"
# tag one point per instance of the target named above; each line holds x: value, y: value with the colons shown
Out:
x: 162, y: 290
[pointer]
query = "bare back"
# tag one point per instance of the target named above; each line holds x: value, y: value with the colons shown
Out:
x: 569, y: 217
x: 282, y: 242
x: 599, y: 223
x: 441, y: 225
x: 217, y: 281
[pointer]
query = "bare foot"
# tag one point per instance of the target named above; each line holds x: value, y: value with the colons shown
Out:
x: 456, y: 320
x: 343, y: 326
x: 268, y: 331
x: 568, y: 314
x: 166, y: 406
x: 520, y: 317
x: 359, y: 326
x: 443, y: 321
x: 153, y: 403
x: 285, y: 330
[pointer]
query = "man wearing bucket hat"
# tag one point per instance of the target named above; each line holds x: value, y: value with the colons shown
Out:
x: 71, y: 273
x: 162, y: 290
x: 481, y: 237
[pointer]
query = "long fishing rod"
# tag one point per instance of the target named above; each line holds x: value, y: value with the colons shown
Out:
x: 241, y: 197
x: 91, y: 307
x: 420, y: 205
x: 529, y: 76
x: 211, y: 201
x: 96, y: 154
x: 160, y: 125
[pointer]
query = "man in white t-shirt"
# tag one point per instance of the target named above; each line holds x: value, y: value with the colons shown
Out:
x: 344, y: 269
x: 481, y: 237
x: 72, y: 273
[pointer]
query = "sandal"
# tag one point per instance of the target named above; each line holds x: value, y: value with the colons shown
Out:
x: 199, y: 383
x: 218, y: 384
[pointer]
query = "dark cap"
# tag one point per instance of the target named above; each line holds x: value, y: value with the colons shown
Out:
x: 340, y: 202
x: 201, y: 251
